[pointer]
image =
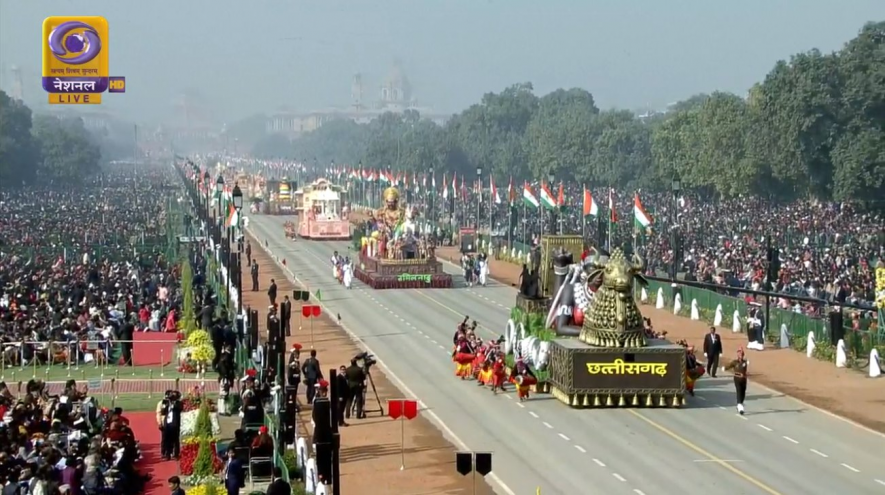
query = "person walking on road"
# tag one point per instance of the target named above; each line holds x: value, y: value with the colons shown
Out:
x: 739, y: 367
x: 712, y: 351
x: 254, y: 272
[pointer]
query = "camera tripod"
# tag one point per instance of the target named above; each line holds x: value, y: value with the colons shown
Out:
x: 365, y: 393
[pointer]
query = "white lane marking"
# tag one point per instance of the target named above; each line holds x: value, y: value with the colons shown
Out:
x: 522, y: 406
x: 426, y: 336
x: 619, y: 477
x: 534, y: 414
x: 790, y: 439
x: 580, y: 449
x: 850, y: 468
x: 548, y: 425
x: 764, y: 427
x: 742, y: 417
x: 435, y: 342
x: 880, y: 482
x: 637, y: 491
x: 390, y: 374
x: 819, y: 453
x: 722, y: 407
x: 698, y: 397
x: 441, y: 347
x: 509, y: 397
x: 599, y: 463
x: 564, y: 437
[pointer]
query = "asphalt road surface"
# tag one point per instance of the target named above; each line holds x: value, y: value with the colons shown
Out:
x: 780, y: 447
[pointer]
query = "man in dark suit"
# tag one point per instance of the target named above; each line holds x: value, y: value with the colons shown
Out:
x: 278, y: 486
x: 254, y: 272
x: 712, y: 351
x: 272, y: 292
x: 233, y: 475
x: 286, y: 315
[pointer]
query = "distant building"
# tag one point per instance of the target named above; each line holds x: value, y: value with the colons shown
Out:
x: 395, y: 96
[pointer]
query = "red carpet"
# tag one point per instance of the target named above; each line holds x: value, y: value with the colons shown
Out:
x: 144, y: 425
x: 159, y: 348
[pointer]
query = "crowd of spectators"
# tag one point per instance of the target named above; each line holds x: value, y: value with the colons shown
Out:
x: 827, y: 250
x: 81, y: 269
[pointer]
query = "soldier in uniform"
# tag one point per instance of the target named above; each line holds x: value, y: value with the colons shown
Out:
x: 294, y: 378
x: 739, y: 367
x: 254, y: 272
x: 286, y: 315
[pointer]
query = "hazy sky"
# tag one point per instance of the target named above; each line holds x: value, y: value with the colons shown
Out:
x: 256, y: 56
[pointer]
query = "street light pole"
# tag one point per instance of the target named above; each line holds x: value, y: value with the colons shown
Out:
x: 676, y: 235
x: 237, y: 195
x: 553, y: 216
x: 478, y: 196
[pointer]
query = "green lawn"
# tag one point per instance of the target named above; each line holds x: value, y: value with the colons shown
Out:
x: 60, y: 373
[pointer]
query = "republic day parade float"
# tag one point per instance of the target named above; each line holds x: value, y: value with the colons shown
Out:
x: 588, y: 344
x: 320, y: 213
x: 392, y: 253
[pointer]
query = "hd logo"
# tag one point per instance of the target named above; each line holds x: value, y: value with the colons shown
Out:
x: 117, y: 85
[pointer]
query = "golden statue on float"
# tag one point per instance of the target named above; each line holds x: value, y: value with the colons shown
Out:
x: 613, y: 319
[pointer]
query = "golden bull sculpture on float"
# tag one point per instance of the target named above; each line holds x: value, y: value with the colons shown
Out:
x: 612, y: 362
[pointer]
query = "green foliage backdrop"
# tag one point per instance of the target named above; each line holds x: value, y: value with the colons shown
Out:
x: 813, y: 127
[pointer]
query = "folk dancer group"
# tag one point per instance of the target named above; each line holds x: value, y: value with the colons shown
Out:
x: 342, y: 269
x: 484, y: 362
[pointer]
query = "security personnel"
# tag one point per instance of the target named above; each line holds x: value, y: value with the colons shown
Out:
x: 294, y: 378
x: 169, y: 421
x: 254, y: 273
x: 356, y: 382
x: 286, y: 315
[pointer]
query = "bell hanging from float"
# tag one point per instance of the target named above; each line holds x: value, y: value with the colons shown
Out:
x: 596, y: 401
x: 676, y: 401
x: 608, y: 401
x: 648, y: 401
x: 635, y: 402
x: 622, y: 402
x: 662, y: 402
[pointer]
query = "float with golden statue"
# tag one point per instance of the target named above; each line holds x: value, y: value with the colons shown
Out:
x: 394, y: 255
x: 576, y: 323
x: 321, y: 216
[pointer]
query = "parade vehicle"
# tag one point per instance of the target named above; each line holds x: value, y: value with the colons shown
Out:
x: 393, y: 254
x: 280, y: 200
x: 576, y: 323
x: 321, y: 215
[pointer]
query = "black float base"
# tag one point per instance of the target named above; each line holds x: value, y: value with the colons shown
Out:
x: 652, y: 376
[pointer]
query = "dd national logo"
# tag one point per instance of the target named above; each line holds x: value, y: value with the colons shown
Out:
x: 75, y: 60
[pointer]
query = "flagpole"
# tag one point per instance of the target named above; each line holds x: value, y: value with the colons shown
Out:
x: 583, y: 214
x: 611, y: 215
x: 492, y: 195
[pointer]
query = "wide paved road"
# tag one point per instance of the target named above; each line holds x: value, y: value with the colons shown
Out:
x: 780, y: 447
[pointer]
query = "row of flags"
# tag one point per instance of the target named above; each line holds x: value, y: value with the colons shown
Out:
x: 545, y: 196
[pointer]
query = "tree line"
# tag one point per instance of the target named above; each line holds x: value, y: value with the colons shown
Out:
x: 43, y: 148
x: 814, y: 127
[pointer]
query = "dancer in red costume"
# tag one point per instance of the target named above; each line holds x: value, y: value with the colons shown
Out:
x: 523, y: 377
x: 498, y: 375
x: 693, y: 369
x: 463, y: 356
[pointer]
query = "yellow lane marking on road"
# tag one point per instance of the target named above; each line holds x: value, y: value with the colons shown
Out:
x: 675, y: 436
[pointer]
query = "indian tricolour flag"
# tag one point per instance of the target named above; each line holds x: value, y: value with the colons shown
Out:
x: 493, y: 191
x: 547, y: 198
x: 642, y: 219
x: 590, y: 206
x: 528, y: 197
x: 445, y: 186
x: 233, y: 216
